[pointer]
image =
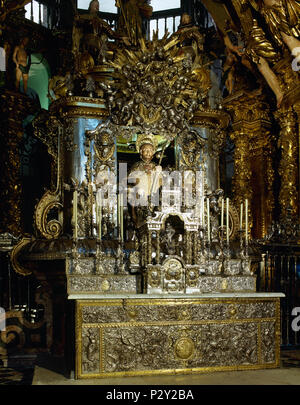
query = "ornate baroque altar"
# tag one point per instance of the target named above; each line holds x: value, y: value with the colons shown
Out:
x: 162, y: 269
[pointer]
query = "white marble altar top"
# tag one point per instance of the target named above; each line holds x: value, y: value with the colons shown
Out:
x: 93, y: 296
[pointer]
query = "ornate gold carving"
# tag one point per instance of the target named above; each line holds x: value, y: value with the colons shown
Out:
x: 288, y: 168
x: 14, y: 107
x: 224, y: 284
x: 76, y: 106
x: 197, y: 335
x: 154, y: 276
x: 105, y: 285
x: 242, y: 171
x: 17, y: 266
x: 184, y: 348
x: 158, y: 94
x: 46, y: 127
x: 173, y: 269
x: 232, y: 311
x: 184, y: 314
x: 191, y: 146
x: 216, y: 118
x: 192, y: 277
x: 254, y: 150
x: 53, y: 228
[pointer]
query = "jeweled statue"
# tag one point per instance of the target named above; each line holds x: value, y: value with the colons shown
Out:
x: 144, y: 178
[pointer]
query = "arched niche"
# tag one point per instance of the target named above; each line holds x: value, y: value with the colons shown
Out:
x: 39, y: 75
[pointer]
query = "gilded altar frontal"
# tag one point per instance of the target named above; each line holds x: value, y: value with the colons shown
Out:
x: 150, y: 184
x: 154, y: 336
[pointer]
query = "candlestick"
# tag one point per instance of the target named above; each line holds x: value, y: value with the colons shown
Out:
x: 241, y: 217
x: 75, y: 213
x: 208, y: 221
x: 227, y: 220
x: 246, y: 220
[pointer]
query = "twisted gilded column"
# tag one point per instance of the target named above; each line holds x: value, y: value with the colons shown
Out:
x: 241, y: 184
x: 253, y: 161
x: 288, y: 167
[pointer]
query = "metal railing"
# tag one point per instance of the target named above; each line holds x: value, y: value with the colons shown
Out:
x: 162, y: 21
x: 17, y: 293
x: 280, y: 272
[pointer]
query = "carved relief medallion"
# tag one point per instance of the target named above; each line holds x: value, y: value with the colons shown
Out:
x: 184, y: 348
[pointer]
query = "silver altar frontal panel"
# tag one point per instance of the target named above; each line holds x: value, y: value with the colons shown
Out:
x: 141, y: 335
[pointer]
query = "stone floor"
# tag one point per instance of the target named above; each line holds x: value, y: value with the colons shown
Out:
x: 281, y: 376
x: 50, y: 371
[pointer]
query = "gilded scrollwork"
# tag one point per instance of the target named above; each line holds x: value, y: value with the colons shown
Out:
x: 49, y: 229
x: 46, y: 128
x: 69, y: 134
x: 15, y: 256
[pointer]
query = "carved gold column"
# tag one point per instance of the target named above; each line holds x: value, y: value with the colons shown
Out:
x: 288, y: 168
x: 14, y: 109
x: 297, y: 110
x: 242, y: 188
x: 253, y: 161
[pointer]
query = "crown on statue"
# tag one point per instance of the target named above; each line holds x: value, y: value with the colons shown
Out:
x: 146, y: 139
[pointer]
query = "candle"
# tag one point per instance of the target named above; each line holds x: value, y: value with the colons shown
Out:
x: 246, y: 220
x: 121, y: 216
x: 100, y: 217
x: 97, y: 213
x: 75, y: 213
x: 202, y: 211
x: 208, y: 220
x: 241, y: 217
x: 227, y: 220
x: 222, y: 214
x: 119, y: 213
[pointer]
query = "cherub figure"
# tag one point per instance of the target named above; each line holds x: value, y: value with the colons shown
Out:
x: 22, y: 62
